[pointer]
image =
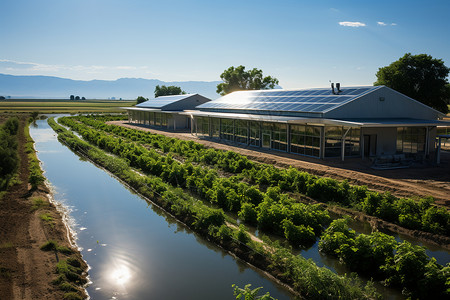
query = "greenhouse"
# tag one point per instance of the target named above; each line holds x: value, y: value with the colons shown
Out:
x: 369, y: 121
x: 164, y: 112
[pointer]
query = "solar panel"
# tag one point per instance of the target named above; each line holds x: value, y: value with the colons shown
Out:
x: 309, y: 100
x: 162, y: 101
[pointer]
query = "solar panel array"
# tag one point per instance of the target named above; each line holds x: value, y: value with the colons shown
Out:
x: 310, y: 101
x: 162, y: 101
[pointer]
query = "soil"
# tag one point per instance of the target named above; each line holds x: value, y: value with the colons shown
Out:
x: 419, y: 180
x: 26, y: 272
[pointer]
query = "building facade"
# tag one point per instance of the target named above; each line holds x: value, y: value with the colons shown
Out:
x: 372, y: 121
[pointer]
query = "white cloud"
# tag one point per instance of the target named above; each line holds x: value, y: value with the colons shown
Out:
x: 352, y: 24
x: 385, y: 24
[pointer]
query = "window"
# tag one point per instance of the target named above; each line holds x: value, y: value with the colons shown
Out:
x: 278, y: 135
x: 254, y: 134
x: 227, y: 129
x: 202, y: 126
x: 241, y: 131
x: 305, y: 140
x: 333, y: 141
x: 411, y: 140
x: 215, y: 127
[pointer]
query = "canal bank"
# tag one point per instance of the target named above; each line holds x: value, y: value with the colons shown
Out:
x: 28, y: 221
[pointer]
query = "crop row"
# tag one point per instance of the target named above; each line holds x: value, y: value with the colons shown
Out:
x: 406, y: 212
x: 9, y: 159
x: 380, y: 255
x: 271, y: 211
x: 307, y: 279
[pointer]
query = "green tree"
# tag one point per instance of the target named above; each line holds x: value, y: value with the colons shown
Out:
x: 238, y: 79
x: 168, y: 90
x: 72, y: 97
x: 420, y: 77
x: 140, y: 99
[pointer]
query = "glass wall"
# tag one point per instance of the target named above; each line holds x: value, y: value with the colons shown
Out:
x: 202, y: 126
x: 333, y: 141
x: 150, y: 118
x: 254, y: 134
x: 241, y: 131
x: 305, y: 140
x: 215, y: 127
x: 227, y: 129
x: 353, y: 142
x: 411, y: 140
x: 278, y: 135
x: 302, y: 139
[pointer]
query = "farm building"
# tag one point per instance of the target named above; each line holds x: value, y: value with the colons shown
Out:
x: 164, y: 112
x: 369, y: 121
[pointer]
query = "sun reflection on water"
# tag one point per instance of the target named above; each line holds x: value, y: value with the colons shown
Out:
x: 121, y: 275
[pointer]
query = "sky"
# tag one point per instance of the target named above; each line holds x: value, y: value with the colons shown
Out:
x: 303, y: 44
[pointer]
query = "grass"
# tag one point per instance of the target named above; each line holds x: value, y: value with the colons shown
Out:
x: 53, y: 245
x: 63, y: 105
x: 6, y: 245
x: 38, y: 203
x: 47, y: 218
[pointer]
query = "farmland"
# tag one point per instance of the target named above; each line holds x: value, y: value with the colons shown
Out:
x: 254, y: 193
x: 62, y: 105
x: 214, y: 192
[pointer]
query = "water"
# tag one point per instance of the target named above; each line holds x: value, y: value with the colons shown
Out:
x: 135, y: 250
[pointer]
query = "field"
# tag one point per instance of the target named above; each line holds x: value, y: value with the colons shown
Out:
x: 63, y: 105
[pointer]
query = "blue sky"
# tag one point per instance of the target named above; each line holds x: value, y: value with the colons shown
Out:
x: 302, y: 43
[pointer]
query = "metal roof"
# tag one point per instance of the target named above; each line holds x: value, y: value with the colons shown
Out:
x: 316, y: 100
x: 160, y: 102
x: 321, y: 121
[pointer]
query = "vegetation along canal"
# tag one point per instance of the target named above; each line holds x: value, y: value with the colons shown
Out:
x: 134, y: 249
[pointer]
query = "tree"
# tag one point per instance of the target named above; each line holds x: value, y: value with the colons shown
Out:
x: 140, y: 99
x: 420, y: 77
x: 77, y: 97
x: 82, y: 98
x: 168, y: 90
x: 72, y: 97
x: 237, y: 79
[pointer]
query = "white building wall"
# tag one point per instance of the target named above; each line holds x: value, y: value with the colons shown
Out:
x: 383, y: 103
x: 386, y: 139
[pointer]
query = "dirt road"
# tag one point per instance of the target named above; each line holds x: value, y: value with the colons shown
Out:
x: 26, y: 272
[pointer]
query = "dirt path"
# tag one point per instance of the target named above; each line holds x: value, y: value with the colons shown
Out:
x: 27, y: 271
x: 420, y: 180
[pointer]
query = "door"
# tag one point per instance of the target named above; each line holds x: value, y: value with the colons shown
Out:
x: 370, y: 145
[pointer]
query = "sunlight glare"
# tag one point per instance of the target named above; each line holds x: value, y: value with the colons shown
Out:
x: 121, y: 275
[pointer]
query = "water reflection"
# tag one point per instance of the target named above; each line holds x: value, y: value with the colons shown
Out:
x: 121, y: 275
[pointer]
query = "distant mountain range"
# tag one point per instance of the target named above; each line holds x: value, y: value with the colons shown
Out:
x: 125, y: 88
